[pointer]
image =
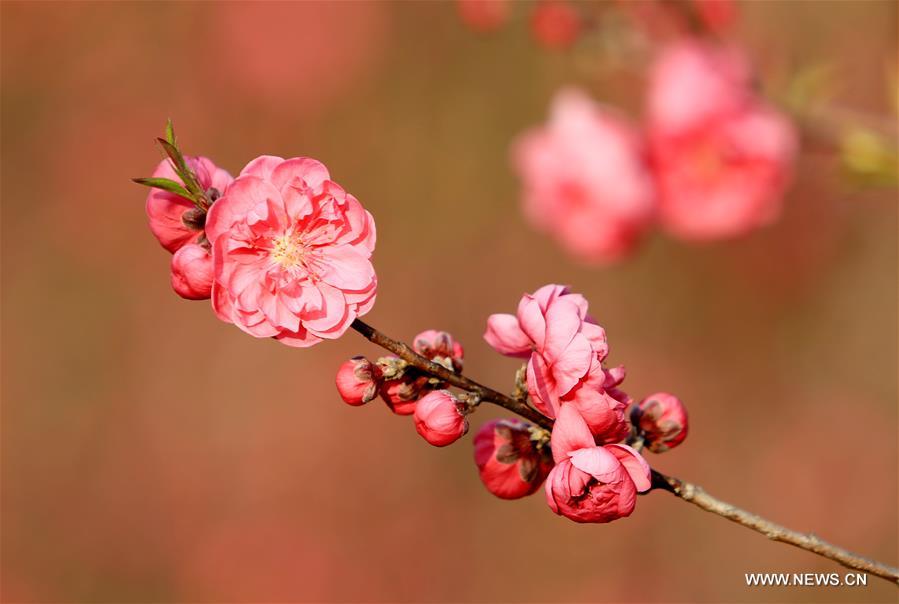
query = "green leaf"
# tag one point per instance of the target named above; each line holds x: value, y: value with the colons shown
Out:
x: 165, y: 184
x: 181, y: 168
x: 170, y: 132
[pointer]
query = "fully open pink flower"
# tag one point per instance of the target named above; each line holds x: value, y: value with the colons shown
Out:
x: 592, y: 483
x: 551, y: 329
x: 722, y: 157
x: 166, y: 211
x: 292, y: 252
x: 510, y: 462
x: 585, y: 179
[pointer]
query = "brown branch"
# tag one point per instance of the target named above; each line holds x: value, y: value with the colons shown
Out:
x: 698, y: 497
x: 681, y: 489
x: 425, y: 365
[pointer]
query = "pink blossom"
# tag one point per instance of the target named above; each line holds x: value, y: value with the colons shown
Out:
x: 723, y: 157
x: 556, y: 24
x: 592, y: 483
x: 440, y: 347
x: 605, y: 414
x: 292, y: 253
x: 511, y: 463
x: 585, y: 179
x: 358, y: 380
x: 661, y: 419
x: 552, y: 329
x: 439, y: 418
x: 192, y: 272
x: 166, y: 211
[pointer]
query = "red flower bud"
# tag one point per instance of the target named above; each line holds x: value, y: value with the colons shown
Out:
x: 358, y: 380
x: 192, y: 272
x: 510, y: 462
x: 439, y: 418
x: 662, y: 420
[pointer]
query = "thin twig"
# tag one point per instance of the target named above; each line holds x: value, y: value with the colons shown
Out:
x: 698, y: 497
x: 684, y: 490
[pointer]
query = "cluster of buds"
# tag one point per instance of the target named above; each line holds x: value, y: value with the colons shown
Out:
x: 590, y: 462
x: 440, y: 416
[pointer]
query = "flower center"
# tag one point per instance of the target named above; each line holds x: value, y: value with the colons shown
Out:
x: 288, y: 250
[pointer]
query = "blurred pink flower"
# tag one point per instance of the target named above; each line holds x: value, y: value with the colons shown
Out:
x: 292, y: 253
x: 592, y: 483
x: 166, y: 211
x: 439, y: 418
x: 192, y: 272
x: 562, y: 342
x: 358, y: 380
x: 585, y: 179
x: 662, y: 420
x: 722, y: 157
x: 484, y: 15
x: 440, y: 347
x: 556, y: 24
x: 510, y: 462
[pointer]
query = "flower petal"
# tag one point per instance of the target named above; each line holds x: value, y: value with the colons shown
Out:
x: 569, y: 433
x: 633, y: 462
x: 345, y: 267
x: 506, y: 337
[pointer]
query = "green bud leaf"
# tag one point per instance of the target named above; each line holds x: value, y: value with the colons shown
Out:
x: 181, y: 168
x: 170, y: 132
x: 165, y: 184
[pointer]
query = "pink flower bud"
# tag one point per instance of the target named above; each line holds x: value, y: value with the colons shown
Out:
x: 401, y: 395
x: 192, y: 272
x: 439, y: 418
x: 358, y: 380
x: 173, y: 219
x: 440, y: 347
x: 510, y: 462
x: 662, y: 419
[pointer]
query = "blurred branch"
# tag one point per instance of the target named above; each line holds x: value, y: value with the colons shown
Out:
x: 807, y: 541
x: 682, y: 489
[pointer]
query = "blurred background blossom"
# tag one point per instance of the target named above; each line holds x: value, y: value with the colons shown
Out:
x: 143, y: 458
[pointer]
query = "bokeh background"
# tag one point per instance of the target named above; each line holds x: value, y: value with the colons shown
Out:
x: 153, y: 453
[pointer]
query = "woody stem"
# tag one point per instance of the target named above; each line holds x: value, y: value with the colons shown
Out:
x: 684, y: 490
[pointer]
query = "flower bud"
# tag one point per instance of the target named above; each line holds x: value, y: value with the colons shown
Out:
x: 401, y: 394
x: 662, y: 420
x: 192, y: 272
x: 439, y: 418
x: 358, y: 380
x: 510, y: 461
x: 440, y: 347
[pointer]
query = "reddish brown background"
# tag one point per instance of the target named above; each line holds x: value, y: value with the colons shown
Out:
x: 152, y: 453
